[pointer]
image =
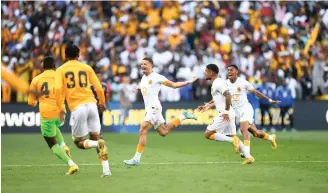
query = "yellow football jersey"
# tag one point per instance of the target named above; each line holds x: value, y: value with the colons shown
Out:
x: 45, y: 84
x: 74, y: 79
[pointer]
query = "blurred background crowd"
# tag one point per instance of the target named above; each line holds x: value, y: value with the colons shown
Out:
x: 272, y: 41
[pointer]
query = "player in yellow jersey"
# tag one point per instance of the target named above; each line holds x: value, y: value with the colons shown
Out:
x: 74, y: 79
x: 45, y: 83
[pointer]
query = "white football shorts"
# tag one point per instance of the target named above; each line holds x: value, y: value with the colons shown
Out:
x: 154, y: 116
x: 85, y: 120
x: 244, y: 113
x: 221, y: 126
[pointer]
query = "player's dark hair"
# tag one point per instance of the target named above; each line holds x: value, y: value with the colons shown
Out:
x: 149, y: 60
x: 49, y: 63
x: 234, y: 66
x: 72, y: 51
x: 213, y: 68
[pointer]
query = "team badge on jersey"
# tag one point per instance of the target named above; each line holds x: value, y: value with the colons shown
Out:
x: 238, y: 89
x: 150, y: 81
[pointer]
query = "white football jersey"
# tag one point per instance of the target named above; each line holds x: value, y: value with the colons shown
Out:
x: 238, y: 91
x: 150, y: 86
x: 218, y: 88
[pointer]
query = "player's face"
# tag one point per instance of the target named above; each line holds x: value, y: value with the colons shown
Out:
x: 146, y: 67
x: 208, y: 74
x: 232, y: 72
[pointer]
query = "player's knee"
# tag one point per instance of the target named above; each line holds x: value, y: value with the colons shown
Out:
x: 255, y: 133
x: 163, y: 133
x: 94, y: 136
x: 51, y: 141
x: 207, y: 135
x: 79, y: 144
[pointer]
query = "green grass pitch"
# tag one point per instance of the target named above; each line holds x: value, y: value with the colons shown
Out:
x: 181, y: 162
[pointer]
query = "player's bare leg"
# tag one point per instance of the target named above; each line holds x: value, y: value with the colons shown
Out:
x: 99, y: 144
x: 163, y: 129
x: 144, y: 128
x: 262, y: 135
x: 61, y: 154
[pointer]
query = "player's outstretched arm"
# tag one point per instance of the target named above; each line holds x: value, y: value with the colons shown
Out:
x: 206, y: 106
x: 180, y: 84
x: 32, y: 100
x: 261, y: 95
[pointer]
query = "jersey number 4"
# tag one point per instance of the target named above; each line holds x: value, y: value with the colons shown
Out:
x: 45, y: 89
x: 82, y: 76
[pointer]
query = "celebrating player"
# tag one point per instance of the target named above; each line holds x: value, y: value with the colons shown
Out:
x: 74, y: 79
x: 150, y: 86
x: 223, y: 127
x: 45, y: 83
x: 244, y: 110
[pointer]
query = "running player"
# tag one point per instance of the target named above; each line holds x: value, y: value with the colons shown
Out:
x: 223, y: 127
x: 150, y: 86
x: 244, y: 110
x: 74, y: 79
x: 50, y: 123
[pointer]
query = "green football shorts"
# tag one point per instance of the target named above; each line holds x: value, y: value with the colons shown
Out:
x: 49, y: 127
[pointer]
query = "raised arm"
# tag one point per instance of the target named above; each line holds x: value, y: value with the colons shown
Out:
x: 32, y: 99
x: 179, y: 84
x: 261, y: 95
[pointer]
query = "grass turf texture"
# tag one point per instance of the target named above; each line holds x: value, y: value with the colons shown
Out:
x: 175, y: 163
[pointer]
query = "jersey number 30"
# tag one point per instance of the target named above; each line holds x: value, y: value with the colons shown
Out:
x: 83, y: 79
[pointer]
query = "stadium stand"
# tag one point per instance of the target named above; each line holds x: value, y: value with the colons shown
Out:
x: 277, y: 40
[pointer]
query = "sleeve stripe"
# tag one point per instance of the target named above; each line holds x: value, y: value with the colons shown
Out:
x: 165, y: 83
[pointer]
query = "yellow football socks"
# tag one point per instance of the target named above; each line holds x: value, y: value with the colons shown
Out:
x: 176, y: 122
x: 140, y: 148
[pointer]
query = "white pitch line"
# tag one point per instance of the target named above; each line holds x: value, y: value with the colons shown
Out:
x: 171, y: 163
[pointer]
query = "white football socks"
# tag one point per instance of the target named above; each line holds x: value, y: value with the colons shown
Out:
x: 90, y: 143
x: 182, y: 117
x: 137, y: 156
x: 105, y: 165
x: 221, y: 137
x: 71, y: 163
x: 243, y: 150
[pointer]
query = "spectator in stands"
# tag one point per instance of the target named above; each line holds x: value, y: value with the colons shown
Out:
x: 318, y: 82
x: 284, y: 94
x: 127, y: 96
x: 262, y: 38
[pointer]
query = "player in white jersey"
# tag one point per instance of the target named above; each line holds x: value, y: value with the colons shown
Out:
x: 223, y: 127
x: 150, y: 86
x: 244, y: 111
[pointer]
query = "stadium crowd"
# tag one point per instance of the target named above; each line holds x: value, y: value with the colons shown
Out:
x: 277, y: 40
